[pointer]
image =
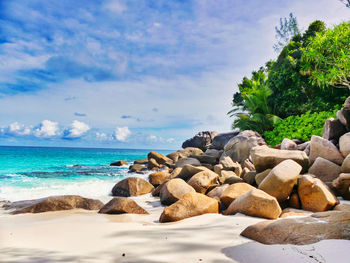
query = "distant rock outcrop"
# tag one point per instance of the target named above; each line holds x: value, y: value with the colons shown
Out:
x: 201, y: 140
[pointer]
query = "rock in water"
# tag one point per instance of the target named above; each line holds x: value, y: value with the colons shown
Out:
x: 201, y: 140
x: 160, y: 158
x: 192, y: 204
x: 174, y: 190
x: 132, y: 186
x: 54, y: 203
x: 122, y: 205
x: 238, y: 148
x: 301, y: 230
x: 281, y: 180
x: 314, y: 194
x: 255, y: 203
x: 119, y: 163
x: 264, y: 158
x: 320, y: 147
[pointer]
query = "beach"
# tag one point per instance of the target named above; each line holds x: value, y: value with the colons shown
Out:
x: 86, y: 236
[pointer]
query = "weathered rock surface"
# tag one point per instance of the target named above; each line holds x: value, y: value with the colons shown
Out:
x: 232, y: 192
x: 54, y: 203
x: 233, y: 179
x: 333, y: 129
x: 192, y: 204
x: 141, y: 161
x: 152, y: 164
x: 315, y: 195
x: 345, y: 167
x: 301, y: 230
x: 189, y: 151
x: 320, y: 147
x: 174, y: 190
x: 264, y: 158
x: 158, y: 178
x: 238, y: 148
x: 344, y: 117
x: 217, y: 191
x: 189, y: 170
x: 203, y: 180
x: 249, y: 177
x: 325, y: 170
x: 214, y: 153
x: 205, y: 158
x: 122, y: 205
x: 173, y: 156
x: 344, y: 144
x: 119, y: 163
x: 288, y: 212
x: 160, y: 158
x: 228, y: 164
x: 255, y: 203
x: 281, y: 180
x: 261, y: 176
x: 294, y: 200
x: 221, y: 140
x: 175, y: 172
x: 183, y: 161
x: 132, y: 186
x: 288, y: 144
x: 342, y: 185
x: 137, y: 168
x: 201, y: 140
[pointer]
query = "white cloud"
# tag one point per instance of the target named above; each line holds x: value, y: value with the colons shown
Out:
x: 16, y: 129
x: 122, y: 133
x: 78, y: 128
x: 115, y: 6
x: 170, y: 140
x: 152, y: 138
x: 47, y: 129
x: 101, y: 136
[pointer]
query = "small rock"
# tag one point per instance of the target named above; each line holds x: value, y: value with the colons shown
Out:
x: 345, y: 167
x: 158, y: 178
x: 325, y: 170
x: 174, y: 190
x: 255, y: 203
x: 217, y: 191
x: 141, y: 161
x: 342, y: 184
x: 192, y: 204
x: 204, y: 158
x: 189, y: 170
x: 249, y: 177
x: 183, y: 161
x: 233, y: 179
x: 119, y: 163
x: 315, y: 195
x: 137, y: 168
x: 261, y: 176
x: 122, y: 205
x: 281, y: 180
x: 158, y: 157
x: 203, y: 180
x: 152, y: 164
x: 288, y: 144
x: 132, y: 186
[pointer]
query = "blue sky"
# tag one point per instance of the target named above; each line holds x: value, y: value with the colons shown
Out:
x: 132, y: 74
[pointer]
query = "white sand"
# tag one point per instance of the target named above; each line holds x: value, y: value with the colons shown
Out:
x: 85, y: 236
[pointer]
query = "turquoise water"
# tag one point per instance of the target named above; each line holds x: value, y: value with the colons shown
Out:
x: 35, y: 172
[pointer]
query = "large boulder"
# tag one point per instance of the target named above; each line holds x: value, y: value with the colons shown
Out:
x: 54, y: 203
x: 320, y: 147
x: 132, y: 186
x: 255, y: 203
x: 342, y: 185
x: 345, y: 167
x: 189, y: 170
x: 201, y: 140
x: 205, y: 158
x: 333, y: 129
x: 188, y: 151
x: 141, y: 161
x: 174, y: 156
x: 344, y: 144
x: 192, y: 204
x: 344, y: 117
x: 301, y: 230
x: 158, y: 178
x: 238, y: 148
x: 264, y: 157
x: 214, y: 153
x: 222, y: 139
x: 174, y: 190
x: 122, y: 205
x: 152, y: 164
x: 183, y: 161
x: 261, y: 176
x: 324, y: 170
x: 202, y: 181
x: 288, y: 144
x: 314, y: 194
x: 232, y: 192
x: 135, y: 168
x: 281, y: 180
x: 119, y: 163
x: 160, y: 158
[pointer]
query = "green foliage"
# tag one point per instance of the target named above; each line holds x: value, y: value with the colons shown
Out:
x: 299, y: 127
x: 251, y: 107
x: 286, y: 31
x: 326, y: 58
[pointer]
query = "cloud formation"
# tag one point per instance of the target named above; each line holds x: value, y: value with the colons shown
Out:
x: 122, y: 133
x: 77, y: 129
x: 47, y: 129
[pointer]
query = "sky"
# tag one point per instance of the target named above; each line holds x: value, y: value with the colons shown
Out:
x: 133, y: 74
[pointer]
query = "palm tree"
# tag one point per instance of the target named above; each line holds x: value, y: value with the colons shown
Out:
x: 252, y: 111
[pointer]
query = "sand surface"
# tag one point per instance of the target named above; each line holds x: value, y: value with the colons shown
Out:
x: 85, y: 236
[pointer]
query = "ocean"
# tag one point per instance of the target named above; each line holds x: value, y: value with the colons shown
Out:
x: 36, y: 172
